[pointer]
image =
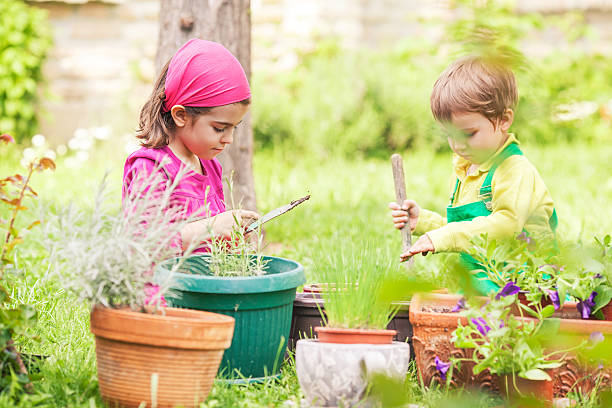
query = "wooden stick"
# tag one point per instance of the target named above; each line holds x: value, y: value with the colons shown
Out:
x: 397, y: 166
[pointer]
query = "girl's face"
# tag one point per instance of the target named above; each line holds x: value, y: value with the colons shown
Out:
x: 473, y: 136
x: 207, y: 135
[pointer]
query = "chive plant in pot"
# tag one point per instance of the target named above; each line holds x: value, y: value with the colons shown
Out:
x: 147, y: 354
x: 234, y: 278
x: 333, y: 370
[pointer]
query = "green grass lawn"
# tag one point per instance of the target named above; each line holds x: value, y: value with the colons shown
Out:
x: 348, y: 202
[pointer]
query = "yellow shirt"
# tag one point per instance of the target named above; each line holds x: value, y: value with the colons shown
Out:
x: 520, y: 201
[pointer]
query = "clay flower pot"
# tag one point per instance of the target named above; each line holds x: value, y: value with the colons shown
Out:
x: 518, y: 389
x: 164, y: 359
x: 433, y: 323
x: 354, y: 336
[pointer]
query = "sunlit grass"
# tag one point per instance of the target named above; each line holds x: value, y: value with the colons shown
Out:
x: 348, y: 203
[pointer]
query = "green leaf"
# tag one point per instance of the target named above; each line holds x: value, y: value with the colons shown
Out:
x: 604, y: 295
x: 535, y: 374
x: 548, y: 311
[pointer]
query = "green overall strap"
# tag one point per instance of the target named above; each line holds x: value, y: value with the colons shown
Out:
x: 485, y: 190
x: 452, y: 199
x: 486, y: 194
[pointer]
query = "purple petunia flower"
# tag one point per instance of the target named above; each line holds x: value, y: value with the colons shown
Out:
x: 510, y: 289
x: 460, y: 305
x: 442, y: 368
x: 481, y: 325
x: 585, y: 306
x: 598, y: 276
x: 553, y: 295
x: 596, y: 337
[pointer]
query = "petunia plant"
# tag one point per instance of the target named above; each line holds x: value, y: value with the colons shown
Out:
x: 586, y: 276
x: 507, y: 344
x: 529, y: 264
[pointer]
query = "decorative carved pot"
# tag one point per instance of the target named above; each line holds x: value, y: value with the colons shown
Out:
x: 433, y: 323
x: 336, y: 375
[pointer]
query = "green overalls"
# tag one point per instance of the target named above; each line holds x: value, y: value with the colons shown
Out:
x: 480, y: 208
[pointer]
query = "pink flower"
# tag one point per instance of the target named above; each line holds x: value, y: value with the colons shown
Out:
x: 153, y: 297
x: 6, y: 138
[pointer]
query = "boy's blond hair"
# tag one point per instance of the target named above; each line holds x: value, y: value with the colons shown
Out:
x: 474, y: 84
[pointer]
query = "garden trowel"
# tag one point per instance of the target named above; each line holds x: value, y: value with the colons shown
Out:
x: 275, y: 213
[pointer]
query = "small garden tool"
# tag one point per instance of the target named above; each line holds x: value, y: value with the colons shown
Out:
x: 275, y: 213
x: 400, y: 196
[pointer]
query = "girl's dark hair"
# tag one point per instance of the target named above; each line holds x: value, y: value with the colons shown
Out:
x: 156, y: 127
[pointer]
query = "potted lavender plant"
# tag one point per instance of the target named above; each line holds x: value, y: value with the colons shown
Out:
x: 146, y: 353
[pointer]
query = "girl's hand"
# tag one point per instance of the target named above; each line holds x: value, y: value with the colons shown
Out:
x: 422, y: 245
x: 408, y: 212
x: 224, y: 223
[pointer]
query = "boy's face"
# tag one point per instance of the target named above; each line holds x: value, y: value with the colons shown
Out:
x: 472, y: 136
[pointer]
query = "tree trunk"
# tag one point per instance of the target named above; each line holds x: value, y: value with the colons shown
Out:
x: 229, y: 23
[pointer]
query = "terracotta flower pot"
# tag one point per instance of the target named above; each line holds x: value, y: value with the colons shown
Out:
x: 519, y: 389
x: 354, y: 336
x: 161, y: 360
x: 433, y: 324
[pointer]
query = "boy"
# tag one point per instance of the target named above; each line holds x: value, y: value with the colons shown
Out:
x: 497, y: 190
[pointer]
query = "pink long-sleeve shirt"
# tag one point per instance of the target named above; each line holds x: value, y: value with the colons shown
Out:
x: 198, y: 195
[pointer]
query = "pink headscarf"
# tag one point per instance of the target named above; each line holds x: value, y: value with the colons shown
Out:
x: 204, y: 74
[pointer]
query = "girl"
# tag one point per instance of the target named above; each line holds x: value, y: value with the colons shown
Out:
x: 198, y: 100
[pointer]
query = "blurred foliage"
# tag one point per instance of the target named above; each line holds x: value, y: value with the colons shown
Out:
x: 25, y: 39
x: 368, y: 102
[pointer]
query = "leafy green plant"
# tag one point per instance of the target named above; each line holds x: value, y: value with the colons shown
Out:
x: 25, y: 39
x: 106, y: 257
x: 506, y: 344
x: 15, y: 320
x: 586, y: 275
x: 354, y: 277
x: 531, y: 264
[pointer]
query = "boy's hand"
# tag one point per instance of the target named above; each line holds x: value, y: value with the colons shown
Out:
x: 408, y: 212
x: 422, y: 245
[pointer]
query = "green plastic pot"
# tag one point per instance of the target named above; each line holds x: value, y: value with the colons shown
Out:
x: 261, y: 305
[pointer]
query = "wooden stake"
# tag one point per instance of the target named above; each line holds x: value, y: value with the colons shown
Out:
x: 397, y: 166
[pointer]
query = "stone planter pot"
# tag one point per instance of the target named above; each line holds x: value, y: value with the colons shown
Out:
x: 433, y: 324
x: 162, y: 360
x: 333, y: 375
